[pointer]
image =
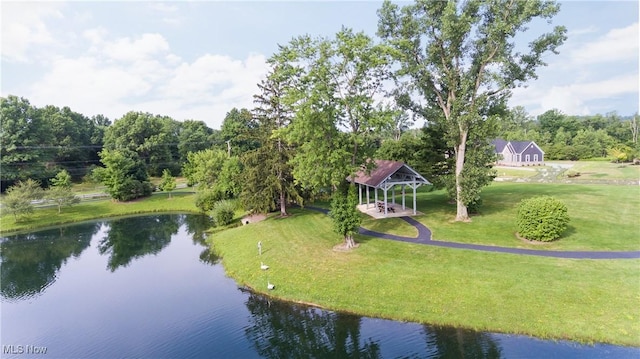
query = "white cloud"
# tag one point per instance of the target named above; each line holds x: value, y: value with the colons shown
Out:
x: 96, y: 35
x: 118, y: 75
x: 208, y: 73
x: 574, y: 98
x: 126, y: 49
x: 617, y: 45
x: 23, y: 27
x: 88, y: 86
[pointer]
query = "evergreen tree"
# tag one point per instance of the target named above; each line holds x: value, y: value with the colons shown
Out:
x: 268, y: 174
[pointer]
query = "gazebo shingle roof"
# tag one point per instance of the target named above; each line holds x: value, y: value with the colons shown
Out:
x: 384, y: 169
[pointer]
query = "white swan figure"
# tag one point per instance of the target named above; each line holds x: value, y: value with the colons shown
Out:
x: 263, y: 266
x: 270, y: 286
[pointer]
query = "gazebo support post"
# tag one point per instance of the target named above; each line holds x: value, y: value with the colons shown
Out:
x: 403, y: 194
x: 376, y: 195
x: 359, y: 194
x: 393, y: 194
x: 414, y: 195
x: 385, y: 199
x: 367, y: 197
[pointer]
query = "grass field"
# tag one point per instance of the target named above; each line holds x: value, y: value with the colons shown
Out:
x: 105, y: 208
x: 512, y: 173
x: 601, y: 170
x: 585, y: 300
x: 603, y: 217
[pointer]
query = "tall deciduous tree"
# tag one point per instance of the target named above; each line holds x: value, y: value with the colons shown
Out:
x: 462, y: 58
x: 124, y: 175
x: 153, y: 138
x: 193, y: 136
x: 23, y: 142
x: 73, y: 136
x: 268, y: 172
x: 203, y: 167
x: 235, y: 129
x: 337, y: 116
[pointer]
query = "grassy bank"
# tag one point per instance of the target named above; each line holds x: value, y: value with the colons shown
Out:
x: 585, y: 300
x: 44, y: 217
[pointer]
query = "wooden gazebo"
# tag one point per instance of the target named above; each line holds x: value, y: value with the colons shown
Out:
x: 387, y: 175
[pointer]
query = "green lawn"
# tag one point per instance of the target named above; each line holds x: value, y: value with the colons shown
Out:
x: 603, y: 217
x: 511, y: 173
x: 585, y: 300
x: 395, y: 226
x: 602, y: 170
x: 44, y: 217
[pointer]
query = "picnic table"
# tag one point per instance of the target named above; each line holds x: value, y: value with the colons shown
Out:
x: 381, y: 206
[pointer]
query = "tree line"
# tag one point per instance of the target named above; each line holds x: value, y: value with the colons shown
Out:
x: 326, y: 108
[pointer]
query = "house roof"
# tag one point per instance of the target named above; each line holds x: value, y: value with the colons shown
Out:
x: 499, y: 143
x: 513, y: 146
x: 520, y: 146
x: 384, y: 170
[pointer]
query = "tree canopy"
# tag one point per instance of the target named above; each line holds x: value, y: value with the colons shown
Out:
x: 458, y: 62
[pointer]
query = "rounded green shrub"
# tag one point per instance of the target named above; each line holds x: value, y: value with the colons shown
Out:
x: 542, y: 218
x: 223, y: 212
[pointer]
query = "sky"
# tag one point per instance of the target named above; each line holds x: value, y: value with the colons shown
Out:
x: 199, y: 59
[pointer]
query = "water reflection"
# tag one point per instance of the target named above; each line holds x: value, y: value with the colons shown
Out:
x: 282, y: 330
x: 196, y: 226
x: 130, y: 238
x: 29, y: 263
x: 450, y: 342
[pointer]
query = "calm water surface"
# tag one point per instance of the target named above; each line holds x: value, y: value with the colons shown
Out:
x: 147, y: 287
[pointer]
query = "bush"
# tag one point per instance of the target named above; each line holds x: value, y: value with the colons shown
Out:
x: 130, y: 189
x: 223, y: 212
x: 542, y: 218
x: 205, y: 200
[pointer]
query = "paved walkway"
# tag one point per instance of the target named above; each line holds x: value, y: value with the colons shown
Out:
x: 424, y: 237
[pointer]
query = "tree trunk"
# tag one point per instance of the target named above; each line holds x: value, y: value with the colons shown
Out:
x: 283, y: 205
x: 461, y: 210
x: 349, y: 242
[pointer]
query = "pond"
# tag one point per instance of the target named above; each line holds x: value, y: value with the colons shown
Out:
x: 148, y: 287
